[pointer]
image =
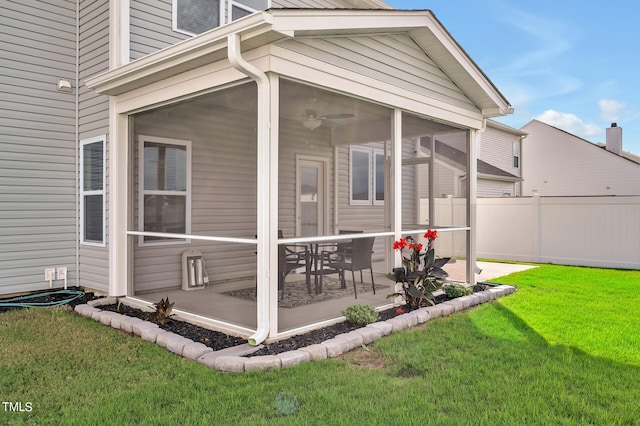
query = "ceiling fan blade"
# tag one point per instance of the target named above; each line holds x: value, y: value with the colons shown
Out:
x: 336, y: 116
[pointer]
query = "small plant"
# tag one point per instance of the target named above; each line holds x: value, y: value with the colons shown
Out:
x: 162, y: 315
x: 361, y: 314
x: 456, y: 290
x: 421, y: 273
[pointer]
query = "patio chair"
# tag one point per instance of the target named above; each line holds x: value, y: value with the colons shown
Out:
x: 331, y: 254
x: 356, y: 258
x: 290, y: 258
x: 345, y: 247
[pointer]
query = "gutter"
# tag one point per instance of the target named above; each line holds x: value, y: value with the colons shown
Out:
x: 263, y: 200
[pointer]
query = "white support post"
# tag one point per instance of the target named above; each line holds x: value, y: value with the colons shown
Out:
x: 417, y: 181
x: 472, y: 192
x: 272, y: 190
x: 432, y: 162
x: 118, y: 206
x: 537, y: 228
x: 396, y: 172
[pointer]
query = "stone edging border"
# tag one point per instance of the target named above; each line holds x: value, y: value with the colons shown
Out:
x: 237, y: 359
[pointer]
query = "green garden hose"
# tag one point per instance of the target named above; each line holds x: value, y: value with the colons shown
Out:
x: 23, y: 301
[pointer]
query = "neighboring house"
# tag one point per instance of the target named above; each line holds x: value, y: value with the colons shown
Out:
x: 129, y: 142
x: 558, y: 163
x: 499, y: 150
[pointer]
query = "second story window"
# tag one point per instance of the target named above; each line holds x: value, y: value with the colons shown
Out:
x: 197, y: 16
x: 516, y: 154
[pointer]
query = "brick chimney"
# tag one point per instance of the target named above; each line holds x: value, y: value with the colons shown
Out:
x: 614, y: 139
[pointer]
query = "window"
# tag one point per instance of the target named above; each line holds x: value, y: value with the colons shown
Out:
x: 366, y: 176
x: 165, y: 188
x: 197, y: 16
x: 378, y: 174
x: 516, y: 154
x: 92, y: 200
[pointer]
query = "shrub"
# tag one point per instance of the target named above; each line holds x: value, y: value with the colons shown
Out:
x: 361, y: 314
x: 456, y: 290
x: 162, y: 315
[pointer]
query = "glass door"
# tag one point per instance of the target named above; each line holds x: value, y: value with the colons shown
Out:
x: 310, y: 190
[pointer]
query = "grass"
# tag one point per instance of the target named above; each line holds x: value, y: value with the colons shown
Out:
x: 563, y: 350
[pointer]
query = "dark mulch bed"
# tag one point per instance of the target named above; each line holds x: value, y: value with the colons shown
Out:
x: 213, y: 339
x: 217, y: 340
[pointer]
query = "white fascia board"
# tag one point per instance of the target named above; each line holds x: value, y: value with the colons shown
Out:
x: 503, y: 127
x: 421, y: 25
x: 438, y: 43
x: 346, y: 21
x: 499, y: 178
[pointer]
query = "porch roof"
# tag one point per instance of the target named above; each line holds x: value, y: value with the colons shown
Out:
x: 266, y: 27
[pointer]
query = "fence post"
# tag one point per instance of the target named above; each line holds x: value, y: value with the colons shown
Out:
x: 537, y: 229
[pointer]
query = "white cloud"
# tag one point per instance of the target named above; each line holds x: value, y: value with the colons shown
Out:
x: 570, y: 123
x: 611, y: 110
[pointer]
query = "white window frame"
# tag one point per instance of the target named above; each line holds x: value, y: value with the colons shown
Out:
x: 225, y: 18
x: 231, y: 4
x: 372, y: 181
x: 84, y: 193
x: 142, y: 139
x: 376, y: 152
x: 516, y: 154
x: 174, y: 17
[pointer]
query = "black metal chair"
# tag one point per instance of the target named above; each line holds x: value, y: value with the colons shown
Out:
x: 355, y: 258
x: 290, y: 258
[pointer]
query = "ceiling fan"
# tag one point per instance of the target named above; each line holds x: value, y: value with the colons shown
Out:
x: 312, y: 120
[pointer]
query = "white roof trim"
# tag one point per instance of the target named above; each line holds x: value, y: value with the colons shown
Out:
x: 265, y: 27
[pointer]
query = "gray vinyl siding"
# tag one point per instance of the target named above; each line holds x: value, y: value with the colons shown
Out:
x: 494, y: 188
x: 296, y: 140
x: 37, y: 143
x: 93, y: 121
x: 393, y: 59
x: 151, y: 27
x: 223, y: 160
x: 497, y: 149
x: 370, y: 218
x: 224, y: 190
x: 151, y: 22
x: 312, y: 4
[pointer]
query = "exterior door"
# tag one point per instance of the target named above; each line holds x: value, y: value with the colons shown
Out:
x: 310, y: 197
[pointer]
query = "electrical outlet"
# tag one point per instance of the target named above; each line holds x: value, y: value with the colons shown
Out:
x: 62, y: 272
x: 49, y: 274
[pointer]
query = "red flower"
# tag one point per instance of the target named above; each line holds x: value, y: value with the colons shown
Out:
x: 400, y: 244
x: 431, y: 234
x: 419, y: 247
x: 399, y: 311
x: 411, y: 246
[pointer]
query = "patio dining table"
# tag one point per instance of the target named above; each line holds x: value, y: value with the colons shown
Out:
x: 318, y: 269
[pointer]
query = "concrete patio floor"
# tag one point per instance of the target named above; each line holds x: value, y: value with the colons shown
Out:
x: 211, y: 303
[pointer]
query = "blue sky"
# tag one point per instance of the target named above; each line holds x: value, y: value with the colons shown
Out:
x: 572, y: 64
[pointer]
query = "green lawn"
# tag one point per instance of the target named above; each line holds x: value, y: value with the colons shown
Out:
x: 564, y: 349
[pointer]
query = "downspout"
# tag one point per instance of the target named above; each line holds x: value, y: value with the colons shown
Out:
x: 263, y: 198
x: 77, y: 136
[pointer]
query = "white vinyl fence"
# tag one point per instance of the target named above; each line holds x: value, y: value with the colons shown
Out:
x: 584, y: 231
